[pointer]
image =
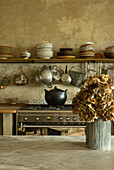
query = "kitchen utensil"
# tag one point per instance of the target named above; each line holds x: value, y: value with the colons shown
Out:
x: 6, y: 52
x: 44, y: 45
x: 55, y: 97
x: 4, y: 82
x: 104, y: 70
x: 87, y: 50
x: 70, y: 53
x: 78, y: 77
x: 20, y: 79
x: 25, y: 54
x: 55, y: 72
x: 46, y: 76
x: 45, y: 54
x: 66, y: 49
x: 44, y: 50
x: 66, y: 57
x: 109, y: 54
x: 37, y: 78
x: 110, y: 71
x: 66, y: 78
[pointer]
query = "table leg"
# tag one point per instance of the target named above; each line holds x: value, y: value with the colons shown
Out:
x: 7, y: 124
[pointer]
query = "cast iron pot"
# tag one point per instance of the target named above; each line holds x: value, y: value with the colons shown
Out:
x: 55, y: 97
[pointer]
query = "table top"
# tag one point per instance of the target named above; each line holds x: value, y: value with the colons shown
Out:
x: 9, y: 108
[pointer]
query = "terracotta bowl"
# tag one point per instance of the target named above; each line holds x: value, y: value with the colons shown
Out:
x: 109, y: 55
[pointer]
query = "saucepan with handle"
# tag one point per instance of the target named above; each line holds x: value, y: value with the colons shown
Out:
x: 66, y: 78
x: 56, y: 74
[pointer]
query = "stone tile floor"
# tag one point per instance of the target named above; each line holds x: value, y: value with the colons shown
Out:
x: 52, y: 153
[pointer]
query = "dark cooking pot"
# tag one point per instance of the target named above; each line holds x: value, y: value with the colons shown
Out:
x: 55, y: 97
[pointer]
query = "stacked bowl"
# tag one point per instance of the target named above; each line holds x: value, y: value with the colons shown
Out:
x: 87, y: 50
x: 65, y: 53
x: 109, y: 52
x: 44, y: 50
x: 6, y: 52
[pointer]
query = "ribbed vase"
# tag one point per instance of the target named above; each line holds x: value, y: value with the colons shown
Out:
x: 98, y: 134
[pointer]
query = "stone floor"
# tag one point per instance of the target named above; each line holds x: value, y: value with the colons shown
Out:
x: 52, y: 153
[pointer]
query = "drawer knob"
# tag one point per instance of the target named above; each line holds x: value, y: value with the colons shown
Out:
x: 26, y: 118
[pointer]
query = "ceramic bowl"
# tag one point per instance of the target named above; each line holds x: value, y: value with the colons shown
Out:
x: 45, y: 57
x: 109, y: 55
x: 109, y: 51
x: 110, y: 47
x: 44, y: 45
x: 44, y: 49
x: 45, y: 54
x: 87, y: 48
x: 87, y: 44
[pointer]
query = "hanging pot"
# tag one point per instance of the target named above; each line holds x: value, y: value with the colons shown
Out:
x: 4, y: 82
x: 55, y: 72
x: 55, y: 97
x: 66, y: 78
x: 78, y: 77
x: 20, y: 79
x: 46, y: 76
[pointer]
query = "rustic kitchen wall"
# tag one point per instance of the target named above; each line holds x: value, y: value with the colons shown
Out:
x: 32, y: 90
x: 65, y: 23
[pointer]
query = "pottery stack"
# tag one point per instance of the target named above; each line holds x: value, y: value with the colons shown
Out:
x: 44, y: 50
x: 65, y: 53
x: 87, y: 50
x: 6, y: 52
x: 109, y: 52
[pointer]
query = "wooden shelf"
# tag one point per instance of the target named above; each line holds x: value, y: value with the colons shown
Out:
x: 54, y: 60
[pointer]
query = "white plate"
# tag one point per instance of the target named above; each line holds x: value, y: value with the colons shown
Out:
x: 44, y: 57
x: 44, y: 48
x: 88, y: 43
x: 44, y: 45
x: 44, y: 52
x: 87, y: 48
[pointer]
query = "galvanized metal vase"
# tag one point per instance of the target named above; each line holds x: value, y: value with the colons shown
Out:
x: 98, y: 134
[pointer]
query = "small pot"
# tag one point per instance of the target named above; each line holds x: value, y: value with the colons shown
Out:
x: 55, y: 97
x: 55, y: 73
x: 20, y: 79
x: 46, y: 76
x: 66, y: 78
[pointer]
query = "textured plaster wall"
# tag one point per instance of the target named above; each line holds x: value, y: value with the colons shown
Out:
x: 65, y: 23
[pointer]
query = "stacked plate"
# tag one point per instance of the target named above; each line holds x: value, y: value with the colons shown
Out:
x: 6, y: 52
x: 87, y: 50
x: 65, y: 53
x: 44, y: 50
x: 109, y: 52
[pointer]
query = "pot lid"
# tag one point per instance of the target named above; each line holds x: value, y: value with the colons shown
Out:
x: 56, y: 90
